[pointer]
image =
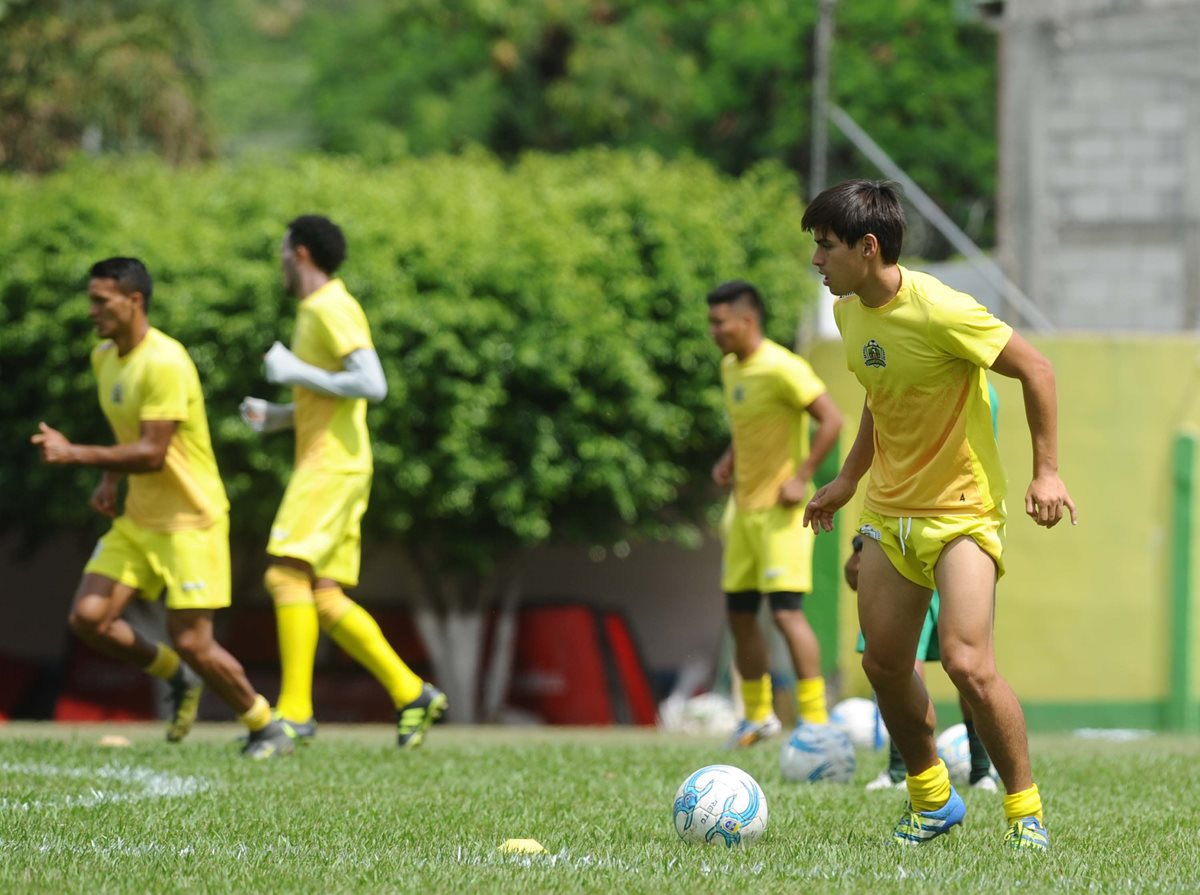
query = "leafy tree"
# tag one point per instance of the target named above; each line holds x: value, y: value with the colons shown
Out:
x: 543, y: 328
x: 108, y: 75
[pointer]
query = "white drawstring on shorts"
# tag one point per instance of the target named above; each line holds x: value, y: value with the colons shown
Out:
x: 904, y: 533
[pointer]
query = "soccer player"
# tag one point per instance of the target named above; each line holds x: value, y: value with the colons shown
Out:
x: 314, y: 549
x: 934, y: 512
x: 173, y: 535
x: 770, y: 396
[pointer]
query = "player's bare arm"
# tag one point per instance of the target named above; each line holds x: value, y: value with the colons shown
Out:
x: 147, y: 454
x: 832, y: 497
x: 361, y: 375
x: 1047, y: 497
x: 829, y: 424
x: 722, y: 471
x: 104, y: 498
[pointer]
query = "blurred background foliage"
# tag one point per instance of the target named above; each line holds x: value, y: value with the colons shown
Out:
x: 542, y: 325
x: 726, y: 80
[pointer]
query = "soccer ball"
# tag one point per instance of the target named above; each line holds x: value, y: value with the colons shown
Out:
x: 720, y: 805
x: 955, y: 750
x: 817, y: 752
x: 859, y: 719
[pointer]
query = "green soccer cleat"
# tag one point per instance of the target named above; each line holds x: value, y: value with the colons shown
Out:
x: 918, y: 827
x: 184, y: 696
x: 414, y: 719
x: 303, y: 732
x: 272, y: 741
x: 1027, y: 834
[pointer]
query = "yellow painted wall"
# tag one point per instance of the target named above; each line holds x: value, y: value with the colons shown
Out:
x: 1083, y: 613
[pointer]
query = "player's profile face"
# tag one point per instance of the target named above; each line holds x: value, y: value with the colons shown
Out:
x: 111, y: 310
x: 839, y: 264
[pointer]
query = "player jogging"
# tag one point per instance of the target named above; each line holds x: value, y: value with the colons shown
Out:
x: 173, y: 535
x: 934, y: 512
x: 770, y: 396
x: 314, y: 548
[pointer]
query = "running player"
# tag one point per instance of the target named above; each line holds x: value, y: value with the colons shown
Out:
x: 173, y: 535
x: 314, y: 549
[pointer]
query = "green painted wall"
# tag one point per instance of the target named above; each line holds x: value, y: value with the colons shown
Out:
x: 1084, y: 614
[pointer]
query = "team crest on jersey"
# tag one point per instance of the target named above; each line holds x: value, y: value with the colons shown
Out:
x: 874, y: 355
x: 118, y: 393
x: 739, y: 394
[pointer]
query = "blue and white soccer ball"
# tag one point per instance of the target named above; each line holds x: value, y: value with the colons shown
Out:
x: 955, y: 750
x: 859, y: 719
x: 720, y: 805
x: 816, y: 752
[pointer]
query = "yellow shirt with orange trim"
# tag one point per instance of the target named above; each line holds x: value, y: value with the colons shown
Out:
x: 331, y: 432
x: 766, y: 396
x: 922, y: 359
x: 157, y: 381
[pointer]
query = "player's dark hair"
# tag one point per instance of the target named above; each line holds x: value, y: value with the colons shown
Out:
x: 738, y: 290
x: 130, y: 275
x: 855, y: 208
x: 322, y: 237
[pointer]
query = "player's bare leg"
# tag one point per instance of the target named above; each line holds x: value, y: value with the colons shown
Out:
x: 191, y: 631
x: 95, y: 618
x: 750, y: 658
x: 966, y: 579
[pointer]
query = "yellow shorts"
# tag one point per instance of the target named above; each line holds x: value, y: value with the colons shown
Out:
x: 320, y: 522
x: 915, y: 543
x: 769, y: 551
x: 191, y: 566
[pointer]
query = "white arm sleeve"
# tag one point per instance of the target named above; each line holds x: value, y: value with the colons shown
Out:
x: 362, y: 376
x: 264, y: 416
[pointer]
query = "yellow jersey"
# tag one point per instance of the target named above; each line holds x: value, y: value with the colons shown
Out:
x: 921, y: 358
x: 766, y: 396
x: 157, y: 380
x: 331, y: 432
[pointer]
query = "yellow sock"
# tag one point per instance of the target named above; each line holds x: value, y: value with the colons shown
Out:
x: 810, y: 701
x: 353, y: 629
x: 165, y: 662
x: 296, y: 625
x: 930, y: 789
x: 756, y: 698
x: 1026, y: 803
x: 258, y: 715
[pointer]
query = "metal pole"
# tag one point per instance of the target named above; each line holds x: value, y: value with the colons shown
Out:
x: 818, y: 171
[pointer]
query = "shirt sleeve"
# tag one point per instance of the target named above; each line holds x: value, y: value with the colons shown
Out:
x: 164, y: 390
x: 800, y: 383
x: 344, y: 328
x: 964, y: 328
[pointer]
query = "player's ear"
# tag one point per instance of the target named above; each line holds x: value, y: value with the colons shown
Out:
x: 869, y: 245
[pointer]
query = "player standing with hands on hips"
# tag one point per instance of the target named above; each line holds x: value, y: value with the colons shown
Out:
x: 934, y: 511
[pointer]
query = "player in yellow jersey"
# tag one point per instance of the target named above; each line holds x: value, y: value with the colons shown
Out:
x: 934, y: 512
x: 314, y: 548
x: 173, y: 535
x: 770, y: 396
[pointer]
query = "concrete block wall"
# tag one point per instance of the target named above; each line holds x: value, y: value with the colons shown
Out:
x: 1100, y: 161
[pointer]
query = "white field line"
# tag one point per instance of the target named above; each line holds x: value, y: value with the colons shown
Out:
x: 143, y: 784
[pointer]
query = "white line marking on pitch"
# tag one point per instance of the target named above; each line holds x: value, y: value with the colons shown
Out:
x: 146, y: 783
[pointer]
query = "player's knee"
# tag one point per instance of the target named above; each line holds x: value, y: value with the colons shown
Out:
x: 882, y: 673
x: 332, y: 606
x: 192, y: 643
x: 969, y: 674
x: 89, y: 621
x: 287, y: 584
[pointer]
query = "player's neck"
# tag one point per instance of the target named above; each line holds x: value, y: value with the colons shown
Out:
x: 880, y: 288
x: 743, y: 352
x: 130, y: 339
x: 311, y: 280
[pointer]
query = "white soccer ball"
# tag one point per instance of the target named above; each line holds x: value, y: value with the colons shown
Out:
x: 859, y: 719
x: 720, y: 805
x: 955, y: 750
x: 817, y: 752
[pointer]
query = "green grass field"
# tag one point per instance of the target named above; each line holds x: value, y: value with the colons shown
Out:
x: 351, y: 813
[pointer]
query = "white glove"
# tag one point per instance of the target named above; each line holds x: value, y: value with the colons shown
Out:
x: 264, y: 416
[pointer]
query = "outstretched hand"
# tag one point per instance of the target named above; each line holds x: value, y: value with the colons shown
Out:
x: 1046, y: 500
x: 827, y: 501
x: 56, y: 448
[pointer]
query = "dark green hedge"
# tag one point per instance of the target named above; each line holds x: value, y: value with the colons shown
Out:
x: 542, y: 326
